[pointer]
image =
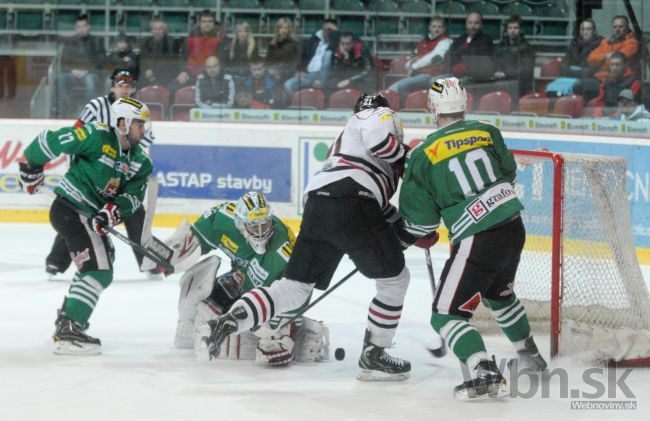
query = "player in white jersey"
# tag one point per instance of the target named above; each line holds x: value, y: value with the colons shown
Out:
x: 346, y: 212
x: 99, y: 109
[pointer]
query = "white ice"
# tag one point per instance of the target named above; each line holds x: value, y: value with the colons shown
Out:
x: 141, y: 376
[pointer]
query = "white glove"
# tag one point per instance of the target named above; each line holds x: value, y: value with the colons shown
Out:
x: 275, y: 351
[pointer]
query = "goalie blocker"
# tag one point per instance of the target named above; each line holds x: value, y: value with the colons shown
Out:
x: 205, y: 296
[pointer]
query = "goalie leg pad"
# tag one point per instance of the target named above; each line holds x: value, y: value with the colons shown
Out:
x: 312, y: 342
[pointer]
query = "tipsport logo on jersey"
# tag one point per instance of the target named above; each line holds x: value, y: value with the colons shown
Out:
x: 222, y: 172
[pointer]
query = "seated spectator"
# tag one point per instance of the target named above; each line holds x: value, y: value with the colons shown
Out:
x: 470, y: 55
x: 622, y: 40
x: 236, y: 54
x: 315, y: 59
x: 429, y: 54
x: 159, y: 59
x: 629, y: 108
x: 264, y: 87
x: 352, y: 66
x: 283, y: 54
x: 514, y: 57
x: 244, y: 99
x: 574, y: 64
x: 202, y: 42
x: 82, y: 54
x: 620, y: 77
x: 214, y: 89
x: 122, y: 56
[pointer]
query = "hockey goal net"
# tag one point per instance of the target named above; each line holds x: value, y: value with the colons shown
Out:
x: 579, y: 277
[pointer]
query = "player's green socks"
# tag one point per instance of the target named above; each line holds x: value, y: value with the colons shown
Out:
x: 511, y: 317
x: 463, y: 339
x: 84, y: 293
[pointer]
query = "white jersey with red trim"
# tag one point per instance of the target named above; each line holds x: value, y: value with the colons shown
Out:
x: 364, y: 151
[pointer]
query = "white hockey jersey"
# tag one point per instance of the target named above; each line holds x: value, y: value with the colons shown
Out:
x: 364, y: 151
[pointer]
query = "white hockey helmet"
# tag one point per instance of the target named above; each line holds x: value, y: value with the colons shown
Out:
x: 254, y: 219
x: 447, y: 96
x: 129, y: 109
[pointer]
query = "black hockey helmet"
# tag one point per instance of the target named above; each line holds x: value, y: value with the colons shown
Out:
x: 366, y: 101
x: 122, y: 76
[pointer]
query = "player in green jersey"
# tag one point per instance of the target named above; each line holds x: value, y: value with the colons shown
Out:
x: 463, y: 175
x: 107, y: 179
x: 258, y: 245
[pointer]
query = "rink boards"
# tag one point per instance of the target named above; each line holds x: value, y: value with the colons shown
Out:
x: 201, y: 164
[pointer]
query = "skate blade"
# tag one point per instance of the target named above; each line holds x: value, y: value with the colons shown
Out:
x: 380, y: 376
x: 69, y: 348
x: 496, y: 391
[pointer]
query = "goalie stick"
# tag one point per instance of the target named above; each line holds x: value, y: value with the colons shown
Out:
x: 161, y: 261
x: 442, y: 350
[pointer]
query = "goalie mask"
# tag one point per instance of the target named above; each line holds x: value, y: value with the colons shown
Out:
x: 254, y: 220
x: 447, y: 96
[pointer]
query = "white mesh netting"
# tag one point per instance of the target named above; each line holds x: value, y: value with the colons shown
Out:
x: 604, y: 304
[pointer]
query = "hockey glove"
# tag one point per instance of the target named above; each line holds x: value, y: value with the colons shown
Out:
x: 107, y: 217
x: 276, y: 349
x: 31, y: 177
x: 427, y: 241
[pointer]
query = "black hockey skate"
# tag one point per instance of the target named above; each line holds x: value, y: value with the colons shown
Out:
x: 220, y: 329
x: 529, y: 357
x: 377, y: 365
x: 488, y: 384
x: 70, y: 339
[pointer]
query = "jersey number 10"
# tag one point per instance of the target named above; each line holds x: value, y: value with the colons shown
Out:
x: 470, y: 160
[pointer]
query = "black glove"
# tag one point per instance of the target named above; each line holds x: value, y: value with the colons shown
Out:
x: 31, y: 177
x: 107, y: 217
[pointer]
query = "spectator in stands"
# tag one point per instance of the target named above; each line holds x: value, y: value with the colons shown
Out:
x: 426, y: 64
x: 470, y: 55
x: 315, y: 59
x: 514, y: 57
x: 123, y: 56
x: 214, y: 89
x: 8, y: 69
x: 283, y: 54
x: 574, y: 64
x: 159, y: 59
x: 237, y: 54
x: 244, y: 99
x: 622, y: 40
x: 264, y: 88
x: 620, y: 77
x: 629, y: 108
x: 352, y: 66
x: 202, y: 42
x: 82, y: 54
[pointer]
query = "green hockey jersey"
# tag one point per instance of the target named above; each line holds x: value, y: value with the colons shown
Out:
x: 100, y: 172
x: 462, y: 173
x: 216, y: 229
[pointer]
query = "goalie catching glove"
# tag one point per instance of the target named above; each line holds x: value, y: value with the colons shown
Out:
x: 276, y: 347
x: 107, y: 217
x: 31, y: 177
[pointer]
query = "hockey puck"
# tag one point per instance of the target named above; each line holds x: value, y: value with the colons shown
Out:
x: 339, y: 354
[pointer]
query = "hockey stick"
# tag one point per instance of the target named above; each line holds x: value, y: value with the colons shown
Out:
x: 442, y: 350
x: 317, y: 300
x: 145, y: 251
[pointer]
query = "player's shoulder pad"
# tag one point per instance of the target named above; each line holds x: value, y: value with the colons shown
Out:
x: 228, y: 209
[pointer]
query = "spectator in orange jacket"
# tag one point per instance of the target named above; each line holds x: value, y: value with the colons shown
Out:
x: 622, y: 40
x: 202, y: 42
x: 620, y: 77
x: 427, y: 62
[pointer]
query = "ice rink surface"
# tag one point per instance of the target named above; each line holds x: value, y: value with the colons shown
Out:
x: 141, y: 376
